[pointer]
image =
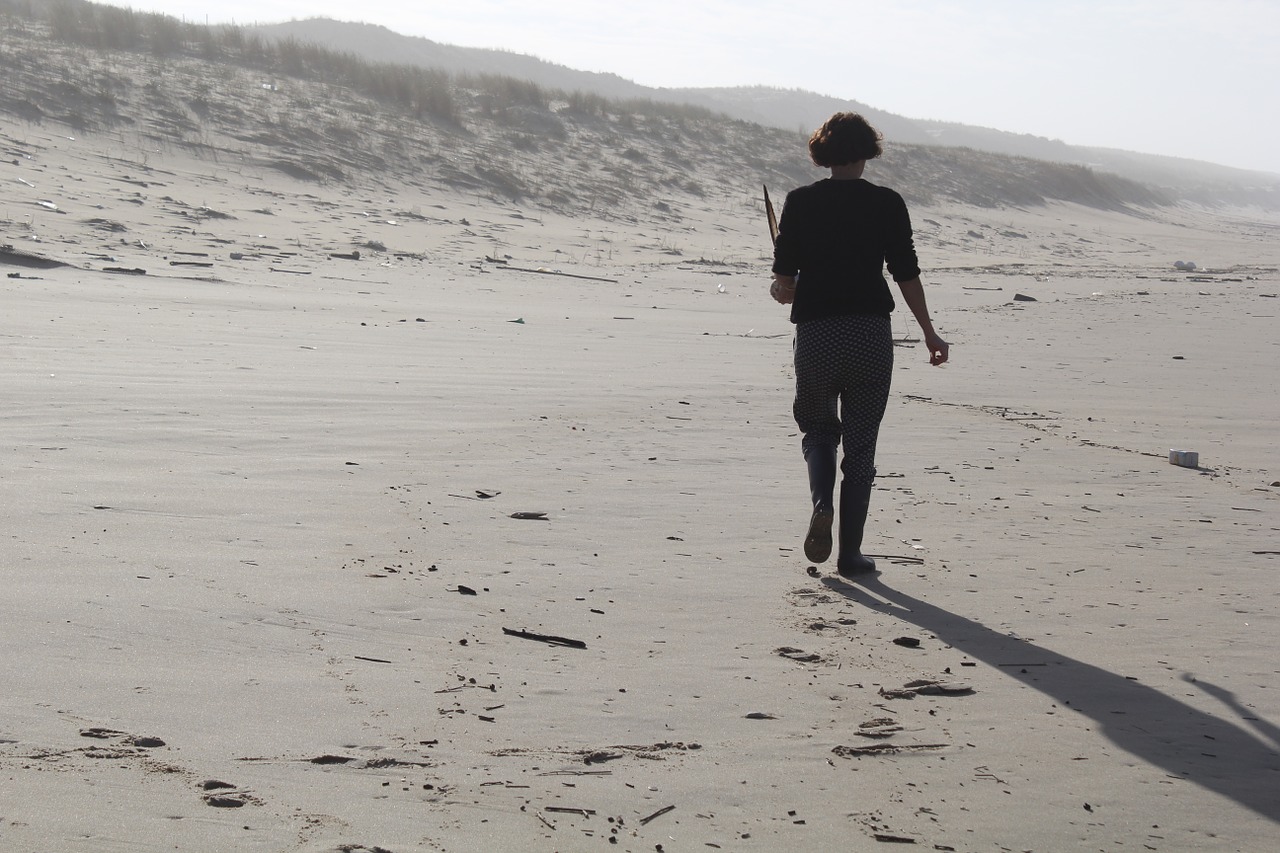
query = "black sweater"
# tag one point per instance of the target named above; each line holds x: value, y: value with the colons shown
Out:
x: 837, y: 236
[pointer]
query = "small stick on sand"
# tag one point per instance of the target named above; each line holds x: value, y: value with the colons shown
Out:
x: 569, y: 810
x: 546, y: 638
x: 659, y: 813
x: 919, y: 561
x: 561, y: 274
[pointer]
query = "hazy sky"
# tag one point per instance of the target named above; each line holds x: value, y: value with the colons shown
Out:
x: 1189, y: 78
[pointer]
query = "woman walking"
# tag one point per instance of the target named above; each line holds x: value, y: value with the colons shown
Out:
x: 835, y: 239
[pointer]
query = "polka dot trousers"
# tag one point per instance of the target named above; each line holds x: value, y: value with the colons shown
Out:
x: 845, y: 360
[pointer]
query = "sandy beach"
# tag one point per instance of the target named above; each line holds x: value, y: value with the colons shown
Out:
x: 490, y: 537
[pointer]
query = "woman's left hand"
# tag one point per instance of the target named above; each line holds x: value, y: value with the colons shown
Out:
x: 938, y: 349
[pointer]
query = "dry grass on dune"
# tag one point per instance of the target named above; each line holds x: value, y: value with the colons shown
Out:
x: 323, y: 116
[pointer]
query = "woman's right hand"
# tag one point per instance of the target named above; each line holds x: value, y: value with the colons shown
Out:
x: 783, y: 289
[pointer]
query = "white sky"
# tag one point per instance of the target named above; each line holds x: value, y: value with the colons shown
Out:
x: 1188, y: 78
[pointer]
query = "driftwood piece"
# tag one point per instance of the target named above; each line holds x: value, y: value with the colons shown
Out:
x: 550, y: 639
x: 558, y: 273
x: 659, y: 813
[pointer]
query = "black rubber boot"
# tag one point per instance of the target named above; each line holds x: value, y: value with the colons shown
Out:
x: 822, y: 483
x: 854, y: 503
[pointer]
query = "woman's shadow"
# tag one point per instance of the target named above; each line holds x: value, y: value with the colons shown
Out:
x: 1209, y: 751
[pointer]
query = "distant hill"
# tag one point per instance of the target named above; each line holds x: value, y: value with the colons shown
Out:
x: 233, y: 97
x: 379, y: 44
x: 792, y: 109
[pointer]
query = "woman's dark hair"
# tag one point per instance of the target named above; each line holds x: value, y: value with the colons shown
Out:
x: 844, y: 138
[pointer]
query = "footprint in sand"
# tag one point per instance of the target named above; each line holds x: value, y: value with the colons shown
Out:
x: 140, y: 741
x: 224, y: 801
x: 798, y: 655
x: 226, y: 797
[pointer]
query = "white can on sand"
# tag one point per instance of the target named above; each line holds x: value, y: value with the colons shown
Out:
x: 1185, y: 458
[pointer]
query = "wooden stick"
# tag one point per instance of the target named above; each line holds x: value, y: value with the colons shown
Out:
x: 550, y: 639
x: 773, y: 220
x: 561, y: 274
x: 659, y: 813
